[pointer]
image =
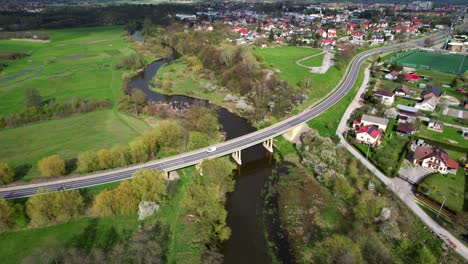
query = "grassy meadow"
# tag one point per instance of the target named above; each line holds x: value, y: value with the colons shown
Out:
x: 76, y: 63
x: 284, y: 59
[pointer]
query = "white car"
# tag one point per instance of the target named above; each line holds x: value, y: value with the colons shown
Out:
x: 211, y: 149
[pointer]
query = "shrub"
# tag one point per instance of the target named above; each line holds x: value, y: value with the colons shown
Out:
x: 52, y: 166
x: 7, y: 174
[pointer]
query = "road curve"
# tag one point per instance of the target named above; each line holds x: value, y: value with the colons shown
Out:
x: 224, y: 148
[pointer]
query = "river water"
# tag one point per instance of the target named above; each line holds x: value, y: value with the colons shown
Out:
x: 245, y: 205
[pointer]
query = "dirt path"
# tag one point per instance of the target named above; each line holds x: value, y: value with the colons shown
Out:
x: 326, y: 63
x: 37, y: 70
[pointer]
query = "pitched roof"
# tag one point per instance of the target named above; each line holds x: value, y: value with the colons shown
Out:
x: 403, y: 89
x: 374, y: 119
x: 411, y: 77
x: 372, y: 130
x: 407, y: 108
x: 432, y: 101
x: 405, y: 128
x: 424, y: 152
x: 435, y: 91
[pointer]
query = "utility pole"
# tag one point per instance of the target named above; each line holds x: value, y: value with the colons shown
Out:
x: 440, y: 209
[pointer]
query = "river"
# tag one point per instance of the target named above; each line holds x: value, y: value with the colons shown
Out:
x: 245, y: 205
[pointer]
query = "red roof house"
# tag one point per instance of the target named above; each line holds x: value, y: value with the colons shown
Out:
x: 412, y: 77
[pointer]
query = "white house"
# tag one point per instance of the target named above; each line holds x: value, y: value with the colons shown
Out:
x: 391, y: 75
x: 402, y: 91
x: 385, y: 97
x: 369, y: 135
x: 435, y: 158
x: 435, y: 125
x: 428, y: 104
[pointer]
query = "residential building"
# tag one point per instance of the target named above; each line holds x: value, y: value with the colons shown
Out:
x: 433, y: 92
x: 428, y: 104
x: 435, y: 158
x: 412, y: 77
x: 377, y: 39
x: 404, y: 129
x: 380, y: 122
x: 435, y: 125
x: 385, y: 97
x: 393, y: 75
x: 402, y: 91
x: 407, y: 114
x: 331, y: 33
x: 369, y: 135
x: 358, y: 36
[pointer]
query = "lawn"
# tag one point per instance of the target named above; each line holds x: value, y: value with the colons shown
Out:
x: 451, y: 186
x: 89, y: 232
x: 284, y: 59
x: 327, y: 122
x: 448, y: 136
x: 67, y: 137
x: 315, y: 61
x: 76, y: 63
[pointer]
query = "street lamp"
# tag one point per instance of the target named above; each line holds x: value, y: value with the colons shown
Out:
x: 440, y: 209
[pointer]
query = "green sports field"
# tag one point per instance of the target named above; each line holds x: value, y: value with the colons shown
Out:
x: 76, y: 63
x: 451, y: 63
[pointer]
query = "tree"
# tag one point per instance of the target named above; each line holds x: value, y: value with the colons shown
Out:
x: 6, y: 215
x: 149, y: 185
x: 119, y: 201
x: 138, y: 150
x: 46, y: 208
x: 334, y: 249
x: 150, y: 140
x: 88, y: 162
x: 33, y: 98
x: 197, y: 140
x: 454, y: 82
x: 169, y: 133
x: 52, y: 166
x: 120, y: 156
x: 368, y: 207
x: 7, y: 174
x: 203, y: 120
x: 218, y: 172
x: 139, y: 100
x: 104, y: 158
x: 203, y: 202
x: 425, y: 256
x: 427, y: 42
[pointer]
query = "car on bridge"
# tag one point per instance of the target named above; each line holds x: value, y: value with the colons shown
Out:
x: 211, y: 149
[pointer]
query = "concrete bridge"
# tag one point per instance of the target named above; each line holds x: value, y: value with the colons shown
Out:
x: 232, y: 147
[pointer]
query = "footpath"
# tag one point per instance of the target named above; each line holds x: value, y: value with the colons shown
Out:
x: 399, y: 187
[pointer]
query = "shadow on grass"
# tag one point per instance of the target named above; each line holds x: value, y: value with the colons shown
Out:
x: 70, y: 165
x: 21, y: 171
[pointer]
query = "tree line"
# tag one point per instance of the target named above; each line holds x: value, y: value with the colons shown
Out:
x: 38, y: 110
x: 235, y: 67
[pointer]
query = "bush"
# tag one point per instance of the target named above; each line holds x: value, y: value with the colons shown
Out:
x: 6, y: 215
x: 52, y: 166
x: 7, y: 174
x: 88, y: 162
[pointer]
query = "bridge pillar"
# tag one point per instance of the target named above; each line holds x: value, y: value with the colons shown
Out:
x: 237, y: 157
x: 199, y: 168
x: 268, y: 145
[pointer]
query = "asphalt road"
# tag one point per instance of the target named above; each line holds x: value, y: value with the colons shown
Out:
x: 224, y: 148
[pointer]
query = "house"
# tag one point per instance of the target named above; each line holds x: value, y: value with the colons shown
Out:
x: 322, y: 33
x: 393, y: 75
x: 341, y: 47
x: 369, y: 135
x: 433, y: 92
x: 377, y: 39
x: 385, y: 97
x: 435, y: 125
x: 412, y: 30
x: 402, y: 91
x: 328, y: 42
x: 358, y: 36
x: 380, y: 122
x: 435, y: 158
x: 407, y: 114
x: 464, y: 104
x: 428, y: 104
x: 331, y: 33
x: 404, y: 129
x: 412, y: 77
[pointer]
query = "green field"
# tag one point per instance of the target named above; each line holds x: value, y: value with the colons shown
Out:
x: 315, y: 61
x: 67, y: 137
x: 284, y: 59
x: 449, y: 135
x: 76, y: 63
x: 16, y: 245
x: 451, y: 63
x: 450, y: 186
